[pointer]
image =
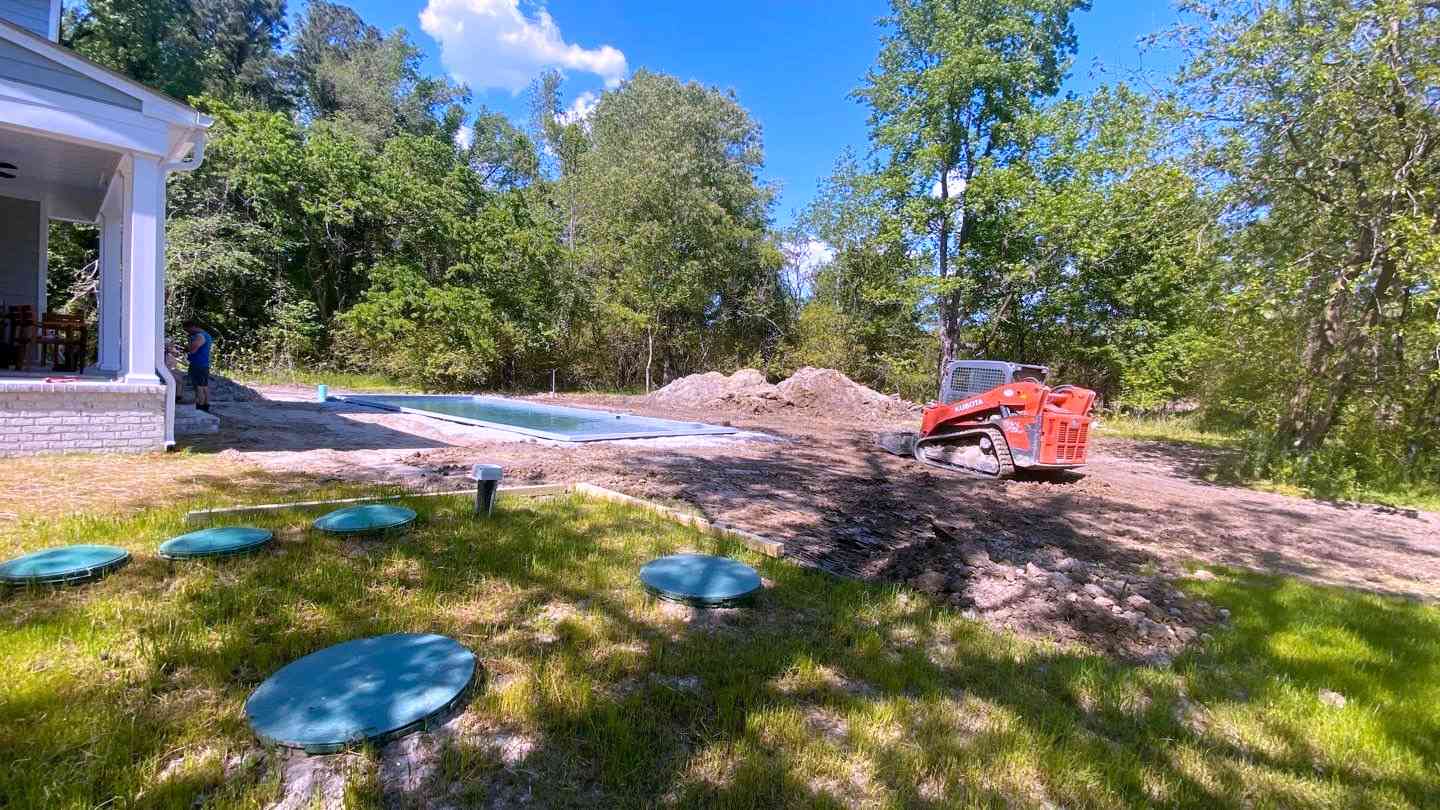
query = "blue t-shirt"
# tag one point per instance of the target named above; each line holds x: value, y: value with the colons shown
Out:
x: 201, y: 356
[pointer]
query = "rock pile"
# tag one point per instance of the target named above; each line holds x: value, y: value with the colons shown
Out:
x: 809, y: 390
x: 1046, y: 590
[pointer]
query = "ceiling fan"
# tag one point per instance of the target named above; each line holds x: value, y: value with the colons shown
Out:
x: 7, y: 170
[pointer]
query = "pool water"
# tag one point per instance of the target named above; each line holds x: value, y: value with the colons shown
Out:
x: 556, y: 422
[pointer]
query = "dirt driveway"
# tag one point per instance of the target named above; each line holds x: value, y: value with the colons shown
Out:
x: 1089, y: 558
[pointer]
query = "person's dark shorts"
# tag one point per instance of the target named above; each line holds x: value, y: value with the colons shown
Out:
x: 199, y: 376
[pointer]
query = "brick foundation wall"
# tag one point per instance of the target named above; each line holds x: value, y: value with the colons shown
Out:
x: 38, y: 418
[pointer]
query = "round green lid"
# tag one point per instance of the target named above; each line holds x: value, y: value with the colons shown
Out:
x: 370, y: 517
x: 52, y: 566
x: 367, y: 690
x: 220, y: 541
x: 700, y: 579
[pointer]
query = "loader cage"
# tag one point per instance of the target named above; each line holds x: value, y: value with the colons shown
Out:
x: 966, y: 378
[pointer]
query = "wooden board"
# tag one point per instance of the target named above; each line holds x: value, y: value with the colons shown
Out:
x: 528, y: 491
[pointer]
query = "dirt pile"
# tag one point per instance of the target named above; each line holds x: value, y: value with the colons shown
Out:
x: 222, y: 389
x: 825, y: 390
x: 746, y: 390
x: 809, y: 390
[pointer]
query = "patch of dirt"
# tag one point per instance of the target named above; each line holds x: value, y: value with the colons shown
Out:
x: 410, y: 770
x: 1092, y: 558
x: 222, y: 389
x: 314, y: 783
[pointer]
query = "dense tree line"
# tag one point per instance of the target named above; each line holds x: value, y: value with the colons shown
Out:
x: 1256, y: 234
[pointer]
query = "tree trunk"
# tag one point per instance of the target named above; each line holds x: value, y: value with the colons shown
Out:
x: 1312, y: 409
x: 949, y: 305
x: 649, y: 354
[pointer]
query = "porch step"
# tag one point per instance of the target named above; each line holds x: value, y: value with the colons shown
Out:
x: 190, y: 422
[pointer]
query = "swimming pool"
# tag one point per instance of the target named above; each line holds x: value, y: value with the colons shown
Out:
x: 556, y: 422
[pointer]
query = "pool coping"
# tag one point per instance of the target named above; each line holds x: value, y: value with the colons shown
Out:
x: 368, y: 401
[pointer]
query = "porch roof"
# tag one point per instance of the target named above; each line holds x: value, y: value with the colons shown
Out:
x: 66, y: 123
x: 152, y: 102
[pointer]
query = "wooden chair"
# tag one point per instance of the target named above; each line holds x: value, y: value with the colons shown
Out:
x: 62, y: 340
x: 19, y: 333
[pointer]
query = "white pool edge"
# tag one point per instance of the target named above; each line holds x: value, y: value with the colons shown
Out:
x: 361, y: 399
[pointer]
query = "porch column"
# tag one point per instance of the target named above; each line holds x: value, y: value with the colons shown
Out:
x: 143, y: 219
x: 108, y: 298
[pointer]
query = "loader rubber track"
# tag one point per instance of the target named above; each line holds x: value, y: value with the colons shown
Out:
x: 1006, y: 463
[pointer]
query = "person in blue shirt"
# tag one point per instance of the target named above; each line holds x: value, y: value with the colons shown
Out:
x: 199, y: 352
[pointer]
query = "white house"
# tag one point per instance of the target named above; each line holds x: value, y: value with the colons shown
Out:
x: 81, y: 143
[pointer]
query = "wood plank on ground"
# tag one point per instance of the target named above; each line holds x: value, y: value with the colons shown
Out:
x: 526, y: 491
x: 752, y: 541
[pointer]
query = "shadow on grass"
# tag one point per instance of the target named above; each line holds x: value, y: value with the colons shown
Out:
x: 825, y: 693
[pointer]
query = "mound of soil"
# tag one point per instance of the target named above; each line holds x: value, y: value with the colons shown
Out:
x: 825, y: 390
x: 809, y: 390
x: 746, y: 390
x: 222, y: 389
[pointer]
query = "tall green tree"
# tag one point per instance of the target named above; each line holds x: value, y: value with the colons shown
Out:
x: 951, y: 79
x: 673, y: 226
x: 1105, y: 265
x: 343, y: 69
x: 864, y: 309
x: 225, y: 48
x: 1319, y: 119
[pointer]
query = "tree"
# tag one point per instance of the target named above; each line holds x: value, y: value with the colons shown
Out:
x: 673, y: 225
x: 226, y: 48
x: 1104, y: 264
x: 863, y: 309
x: 1318, y: 118
x: 951, y: 79
x: 345, y: 69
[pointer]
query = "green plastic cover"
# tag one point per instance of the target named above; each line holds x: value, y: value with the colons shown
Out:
x: 367, y: 690
x: 220, y: 541
x: 52, y: 566
x: 700, y: 579
x: 371, y: 517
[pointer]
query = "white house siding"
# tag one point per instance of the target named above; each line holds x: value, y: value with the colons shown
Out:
x: 20, y: 255
x: 32, y: 15
x: 27, y: 67
x: 43, y: 418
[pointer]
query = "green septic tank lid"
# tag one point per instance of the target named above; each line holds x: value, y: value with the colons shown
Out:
x: 221, y: 541
x: 367, y: 690
x: 371, y: 517
x: 65, y: 564
x: 700, y: 579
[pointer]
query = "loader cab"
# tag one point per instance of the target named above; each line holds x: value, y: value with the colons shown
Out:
x: 966, y: 378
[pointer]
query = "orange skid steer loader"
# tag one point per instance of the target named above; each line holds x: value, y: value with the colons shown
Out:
x: 995, y: 417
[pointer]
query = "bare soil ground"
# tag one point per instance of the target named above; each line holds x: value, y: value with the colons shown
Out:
x: 1086, y: 558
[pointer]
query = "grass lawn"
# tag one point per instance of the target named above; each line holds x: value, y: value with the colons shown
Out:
x: 337, y: 380
x: 1187, y: 430
x: 825, y: 693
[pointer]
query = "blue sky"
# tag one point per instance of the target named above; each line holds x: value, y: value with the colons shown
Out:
x: 792, y: 64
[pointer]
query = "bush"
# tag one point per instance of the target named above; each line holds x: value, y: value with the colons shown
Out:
x: 441, y: 337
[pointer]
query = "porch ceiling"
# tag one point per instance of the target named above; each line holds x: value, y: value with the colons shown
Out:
x: 73, y: 177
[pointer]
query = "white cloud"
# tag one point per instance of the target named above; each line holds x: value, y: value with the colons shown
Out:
x: 810, y: 255
x: 464, y: 136
x: 956, y: 185
x: 492, y: 43
x: 579, y: 109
